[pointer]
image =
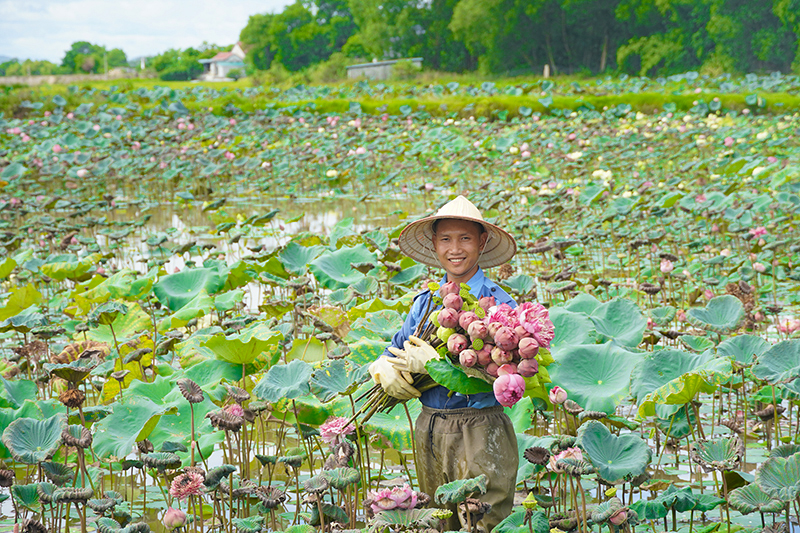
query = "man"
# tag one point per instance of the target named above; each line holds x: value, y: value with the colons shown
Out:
x: 456, y: 436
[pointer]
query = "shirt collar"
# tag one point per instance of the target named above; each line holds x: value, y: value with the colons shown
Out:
x: 476, y: 282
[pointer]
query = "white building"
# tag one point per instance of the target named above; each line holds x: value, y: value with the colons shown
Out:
x: 218, y: 67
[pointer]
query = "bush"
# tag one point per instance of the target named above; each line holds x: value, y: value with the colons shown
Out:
x: 405, y: 70
x: 331, y: 71
x: 235, y: 74
x: 276, y: 75
x: 181, y: 72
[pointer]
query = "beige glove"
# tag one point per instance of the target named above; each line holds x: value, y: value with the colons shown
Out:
x: 413, y: 358
x: 396, y: 383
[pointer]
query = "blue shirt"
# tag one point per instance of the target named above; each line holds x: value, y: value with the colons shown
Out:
x: 441, y: 397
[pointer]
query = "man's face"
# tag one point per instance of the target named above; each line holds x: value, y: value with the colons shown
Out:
x: 458, y: 245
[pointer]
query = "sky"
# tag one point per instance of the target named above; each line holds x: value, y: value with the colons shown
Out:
x: 45, y: 29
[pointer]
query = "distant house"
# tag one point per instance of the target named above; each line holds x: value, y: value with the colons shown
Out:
x: 379, y: 70
x: 219, y: 66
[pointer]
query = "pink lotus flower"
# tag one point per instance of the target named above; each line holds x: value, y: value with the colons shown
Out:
x: 451, y: 287
x: 701, y: 198
x: 235, y: 409
x: 448, y: 317
x: 230, y: 156
x: 477, y: 330
x: 70, y: 116
x: 428, y: 187
x: 96, y: 127
x: 361, y: 150
x: 504, y: 315
x: 528, y: 368
x: 57, y: 148
x: 396, y: 498
x: 758, y: 267
x: 174, y: 518
x: 788, y: 326
x: 506, y: 339
x: 508, y: 388
x: 468, y: 358
x: 758, y: 232
x: 185, y: 485
x: 528, y: 347
x: 486, y: 303
x: 708, y: 293
x: 457, y: 343
x: 136, y: 145
x: 334, y: 429
x: 453, y: 301
x: 569, y: 453
x: 557, y: 395
x: 729, y: 141
x: 232, y: 122
x: 466, y: 319
x: 667, y: 266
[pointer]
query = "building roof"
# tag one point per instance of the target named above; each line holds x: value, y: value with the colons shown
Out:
x: 387, y: 62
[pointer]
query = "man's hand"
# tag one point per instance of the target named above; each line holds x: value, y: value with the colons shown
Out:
x: 395, y: 382
x: 413, y: 358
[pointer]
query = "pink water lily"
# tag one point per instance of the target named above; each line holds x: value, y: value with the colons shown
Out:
x: 334, y: 429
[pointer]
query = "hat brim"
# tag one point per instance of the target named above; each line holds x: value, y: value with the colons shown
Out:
x: 416, y: 241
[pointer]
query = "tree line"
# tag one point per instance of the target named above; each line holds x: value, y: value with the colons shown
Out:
x: 644, y: 37
x: 82, y: 58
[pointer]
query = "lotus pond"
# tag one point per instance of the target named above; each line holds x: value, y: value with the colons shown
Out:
x: 191, y: 299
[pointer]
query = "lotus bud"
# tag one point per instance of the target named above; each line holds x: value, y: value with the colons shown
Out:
x: 508, y: 388
x: 506, y: 369
x: 492, y: 328
x: 457, y: 343
x: 477, y: 329
x: 485, y: 355
x: 451, y: 287
x: 444, y: 333
x: 619, y: 517
x: 558, y: 395
x: 174, y: 518
x: 528, y: 347
x: 528, y: 368
x: 500, y: 356
x: 491, y: 369
x: 467, y: 318
x: 448, y: 318
x: 506, y: 338
x: 487, y: 302
x: 520, y: 331
x: 453, y: 301
x: 468, y: 358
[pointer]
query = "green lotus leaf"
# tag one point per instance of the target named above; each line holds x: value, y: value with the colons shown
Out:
x: 520, y: 284
x: 662, y: 366
x: 596, y: 376
x: 296, y: 258
x: 116, y: 286
x: 680, y: 391
x: 197, y: 307
x: 672, y: 420
x: 333, y: 379
x: 74, y: 372
x: 743, y: 348
x: 58, y: 473
x: 681, y: 500
x: 721, y: 315
x: 570, y: 328
x: 177, y: 290
x: 706, y: 502
x: 69, y: 266
x: 459, y: 490
x: 515, y: 523
x: 663, y: 315
x: 751, y: 498
x: 333, y: 513
x: 779, y: 477
x: 310, y: 350
x: 334, y: 270
x: 620, y: 320
x: 125, y: 326
x: 605, y: 510
x: 161, y: 460
x: 129, y: 422
x: 617, y: 459
x: 721, y: 453
x: 251, y: 524
x: 342, y: 477
x: 245, y: 346
x: 393, y: 426
x: 26, y: 496
x: 454, y: 378
x: 32, y: 441
x: 14, y: 393
x: 284, y: 381
x: 105, y: 314
x: 24, y: 322
x: 408, y: 276
x: 780, y: 365
x: 21, y: 299
x: 696, y: 343
x: 785, y: 450
x: 583, y: 303
x: 383, y: 323
x: 216, y: 475
x: 408, y: 520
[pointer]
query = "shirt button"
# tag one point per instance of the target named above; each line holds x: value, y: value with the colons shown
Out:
x: 494, y: 289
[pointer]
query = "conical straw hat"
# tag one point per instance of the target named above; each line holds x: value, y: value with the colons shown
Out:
x: 416, y: 238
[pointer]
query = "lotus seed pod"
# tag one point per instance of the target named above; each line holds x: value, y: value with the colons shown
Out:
x: 468, y: 358
x: 528, y: 368
x: 466, y: 318
x: 448, y: 318
x: 457, y: 343
x: 528, y: 347
x: 477, y: 330
x: 500, y: 356
x: 453, y: 301
x: 451, y: 287
x: 506, y: 338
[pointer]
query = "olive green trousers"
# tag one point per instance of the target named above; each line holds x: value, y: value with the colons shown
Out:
x: 465, y: 443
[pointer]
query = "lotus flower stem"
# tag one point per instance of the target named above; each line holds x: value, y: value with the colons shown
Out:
x: 413, y: 445
x: 669, y: 430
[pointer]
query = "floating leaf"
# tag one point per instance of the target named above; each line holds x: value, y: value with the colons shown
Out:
x: 284, y: 381
x: 722, y: 315
x: 616, y: 458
